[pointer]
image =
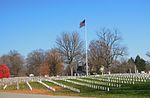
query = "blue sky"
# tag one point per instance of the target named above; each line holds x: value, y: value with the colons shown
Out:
x: 26, y: 25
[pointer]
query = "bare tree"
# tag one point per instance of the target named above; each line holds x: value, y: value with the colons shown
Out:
x: 95, y: 59
x: 44, y: 70
x: 108, y: 47
x: 15, y: 62
x: 70, y: 46
x: 148, y: 66
x: 54, y: 61
x: 34, y: 60
x: 4, y: 59
x: 148, y: 54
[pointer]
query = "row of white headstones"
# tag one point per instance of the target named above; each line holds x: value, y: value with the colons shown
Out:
x: 110, y: 84
x: 126, y: 78
x: 89, y: 85
x: 104, y: 81
x: 62, y: 85
x: 44, y: 84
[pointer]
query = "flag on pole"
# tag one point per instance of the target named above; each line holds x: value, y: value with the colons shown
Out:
x: 82, y: 23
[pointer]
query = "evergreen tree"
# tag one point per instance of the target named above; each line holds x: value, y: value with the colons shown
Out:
x: 131, y: 60
x: 140, y: 63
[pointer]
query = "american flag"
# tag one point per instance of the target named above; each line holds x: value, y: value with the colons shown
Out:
x: 82, y: 23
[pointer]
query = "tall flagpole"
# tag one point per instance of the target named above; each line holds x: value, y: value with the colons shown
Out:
x: 86, y: 46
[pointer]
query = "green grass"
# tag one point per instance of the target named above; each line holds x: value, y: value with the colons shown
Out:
x: 85, y: 91
x: 37, y: 85
x: 1, y: 87
x: 60, y: 90
x: 115, y: 93
x: 11, y: 87
x: 138, y: 90
x: 23, y: 86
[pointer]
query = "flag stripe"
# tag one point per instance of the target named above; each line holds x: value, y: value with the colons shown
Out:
x: 82, y: 23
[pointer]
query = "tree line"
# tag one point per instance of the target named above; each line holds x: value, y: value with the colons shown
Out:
x: 68, y: 57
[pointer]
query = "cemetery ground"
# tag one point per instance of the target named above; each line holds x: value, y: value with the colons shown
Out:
x: 99, y: 86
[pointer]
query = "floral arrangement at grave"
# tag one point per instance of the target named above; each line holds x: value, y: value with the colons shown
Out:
x: 4, y: 71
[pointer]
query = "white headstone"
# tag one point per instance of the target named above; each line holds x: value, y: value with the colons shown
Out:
x: 149, y: 72
x: 142, y: 72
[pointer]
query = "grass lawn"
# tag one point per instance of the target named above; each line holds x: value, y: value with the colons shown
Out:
x: 60, y: 90
x: 23, y: 86
x: 11, y: 87
x: 138, y: 90
x: 115, y: 93
x: 36, y: 85
x: 1, y: 87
